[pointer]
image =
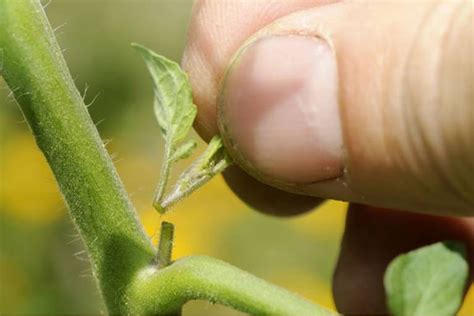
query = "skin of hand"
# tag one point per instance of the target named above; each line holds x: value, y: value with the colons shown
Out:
x: 365, y: 101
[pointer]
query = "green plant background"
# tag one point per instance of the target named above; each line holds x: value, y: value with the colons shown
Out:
x: 43, y: 268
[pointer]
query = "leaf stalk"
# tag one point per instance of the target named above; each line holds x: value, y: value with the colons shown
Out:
x: 164, y: 176
x: 165, y: 246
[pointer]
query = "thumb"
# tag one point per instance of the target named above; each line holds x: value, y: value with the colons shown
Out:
x: 370, y: 102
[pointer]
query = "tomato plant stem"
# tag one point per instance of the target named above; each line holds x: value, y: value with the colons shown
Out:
x: 35, y: 70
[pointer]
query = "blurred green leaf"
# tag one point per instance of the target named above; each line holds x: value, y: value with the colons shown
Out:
x: 427, y: 281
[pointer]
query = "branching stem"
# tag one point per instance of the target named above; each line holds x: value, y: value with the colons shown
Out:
x: 200, y: 277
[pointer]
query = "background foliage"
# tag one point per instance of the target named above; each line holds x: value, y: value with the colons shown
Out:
x: 43, y: 268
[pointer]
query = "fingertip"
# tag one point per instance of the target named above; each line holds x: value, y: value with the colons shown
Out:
x: 216, y: 30
x: 279, y: 109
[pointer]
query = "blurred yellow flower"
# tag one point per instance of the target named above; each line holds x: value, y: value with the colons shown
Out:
x: 467, y: 308
x: 28, y: 190
x: 327, y: 220
x: 308, y: 286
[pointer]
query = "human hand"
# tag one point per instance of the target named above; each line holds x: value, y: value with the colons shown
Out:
x: 369, y: 102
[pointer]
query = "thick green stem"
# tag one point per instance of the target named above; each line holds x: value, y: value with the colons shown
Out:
x: 33, y: 67
x: 200, y: 277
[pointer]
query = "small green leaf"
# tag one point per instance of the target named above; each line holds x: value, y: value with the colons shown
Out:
x: 427, y: 281
x: 174, y: 111
x: 174, y: 108
x: 184, y: 151
x: 211, y: 162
